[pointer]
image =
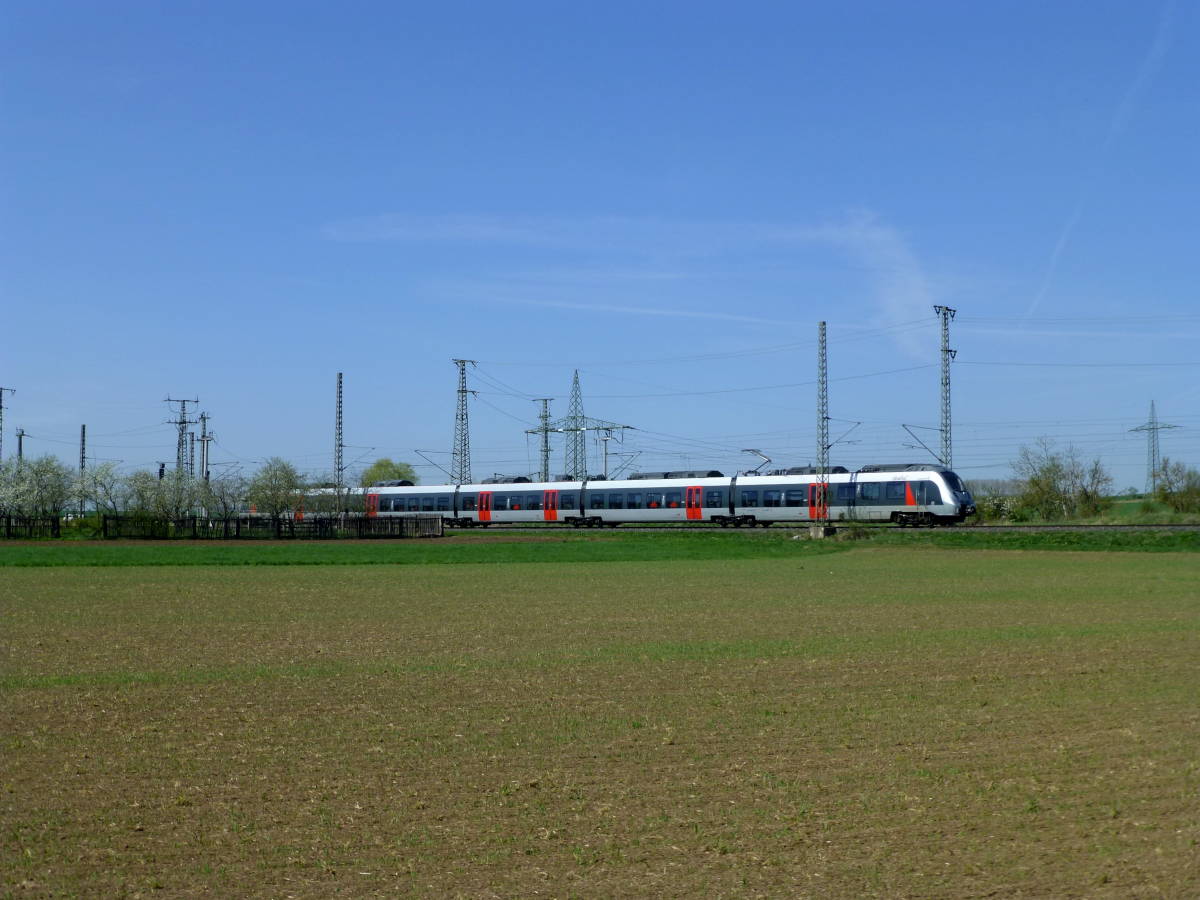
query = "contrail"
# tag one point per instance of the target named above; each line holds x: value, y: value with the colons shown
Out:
x: 1117, y: 124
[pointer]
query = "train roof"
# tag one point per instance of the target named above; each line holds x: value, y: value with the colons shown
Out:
x: 664, y: 476
x: 905, y: 467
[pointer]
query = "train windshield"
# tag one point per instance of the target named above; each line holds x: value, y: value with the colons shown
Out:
x: 955, y: 483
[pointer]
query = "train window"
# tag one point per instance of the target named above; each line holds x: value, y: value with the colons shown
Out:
x: 443, y: 503
x: 566, y: 501
x: 427, y: 504
x: 616, y: 501
x: 772, y: 498
x: 749, y: 498
x: 468, y: 502
x: 671, y: 499
x: 499, y: 501
x: 845, y: 493
x: 596, y: 501
x: 894, y: 490
x: 954, y: 481
x: 795, y: 498
x: 927, y: 492
x: 634, y: 501
x: 869, y: 493
x: 714, y: 498
x: 385, y: 504
x: 533, y: 501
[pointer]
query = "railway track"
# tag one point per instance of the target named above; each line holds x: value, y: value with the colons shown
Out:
x: 652, y: 529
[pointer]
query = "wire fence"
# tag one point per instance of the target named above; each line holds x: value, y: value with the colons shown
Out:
x: 266, y: 528
x: 27, y: 527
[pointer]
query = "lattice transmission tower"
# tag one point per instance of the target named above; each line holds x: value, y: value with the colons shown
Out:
x: 1153, y: 460
x: 822, y: 427
x: 575, y: 426
x: 181, y: 444
x: 339, y: 469
x: 946, y: 314
x: 460, y: 455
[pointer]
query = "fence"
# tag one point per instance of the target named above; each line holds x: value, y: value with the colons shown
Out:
x: 265, y: 528
x: 17, y: 527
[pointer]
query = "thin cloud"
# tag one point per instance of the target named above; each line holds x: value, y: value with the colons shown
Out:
x: 662, y: 312
x: 902, y: 290
x: 1121, y: 117
x: 898, y: 285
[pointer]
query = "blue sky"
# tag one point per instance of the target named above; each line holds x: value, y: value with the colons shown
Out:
x: 238, y: 201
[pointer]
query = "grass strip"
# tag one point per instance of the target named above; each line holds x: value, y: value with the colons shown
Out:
x: 629, y: 546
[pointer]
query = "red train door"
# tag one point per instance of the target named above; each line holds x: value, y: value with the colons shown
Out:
x: 550, y: 506
x: 694, y: 498
x: 818, y: 501
x: 485, y: 506
x: 372, y: 505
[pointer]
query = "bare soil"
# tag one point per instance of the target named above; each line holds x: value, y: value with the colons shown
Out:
x: 879, y: 723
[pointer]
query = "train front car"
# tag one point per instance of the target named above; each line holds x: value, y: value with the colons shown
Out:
x: 962, y: 498
x: 906, y: 494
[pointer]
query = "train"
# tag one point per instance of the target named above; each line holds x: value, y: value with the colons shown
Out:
x: 906, y: 494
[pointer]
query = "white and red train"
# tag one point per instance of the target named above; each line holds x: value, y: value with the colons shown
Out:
x: 905, y: 494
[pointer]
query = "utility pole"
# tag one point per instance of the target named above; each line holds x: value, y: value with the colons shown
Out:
x: 2, y: 390
x: 604, y: 442
x: 946, y: 314
x: 20, y: 445
x: 543, y: 430
x: 82, y: 464
x: 460, y: 455
x: 205, y: 440
x: 1153, y: 461
x: 191, y: 454
x: 822, y: 487
x: 339, y: 470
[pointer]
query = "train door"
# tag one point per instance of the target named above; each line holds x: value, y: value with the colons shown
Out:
x: 818, y: 501
x: 694, y: 498
x: 550, y: 506
x: 372, y: 505
x: 485, y: 506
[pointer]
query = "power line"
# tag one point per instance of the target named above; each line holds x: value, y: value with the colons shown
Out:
x: 1060, y: 365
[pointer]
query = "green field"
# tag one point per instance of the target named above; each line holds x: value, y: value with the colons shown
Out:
x: 630, y: 716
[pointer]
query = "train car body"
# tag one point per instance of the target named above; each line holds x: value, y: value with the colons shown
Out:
x: 904, y: 494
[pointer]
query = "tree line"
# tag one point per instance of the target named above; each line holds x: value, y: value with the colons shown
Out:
x: 44, y: 486
x: 1053, y: 483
